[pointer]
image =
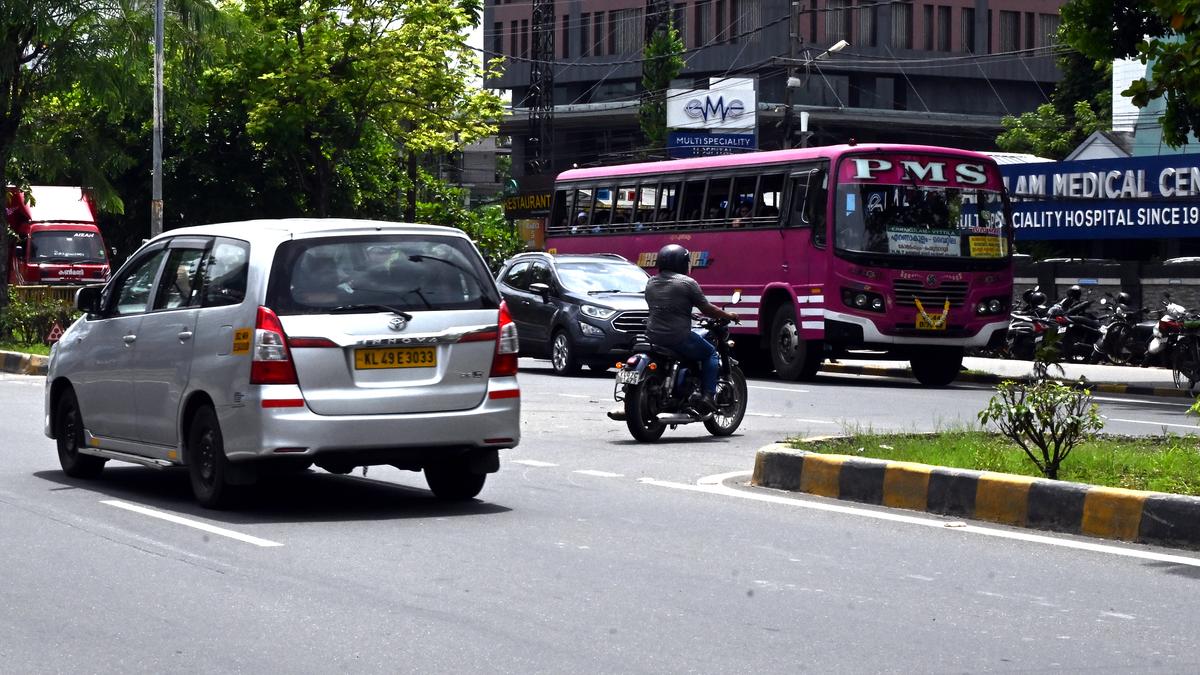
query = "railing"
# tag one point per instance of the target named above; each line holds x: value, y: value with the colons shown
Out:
x: 63, y: 294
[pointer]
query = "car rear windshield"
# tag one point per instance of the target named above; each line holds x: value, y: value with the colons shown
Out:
x: 389, y: 272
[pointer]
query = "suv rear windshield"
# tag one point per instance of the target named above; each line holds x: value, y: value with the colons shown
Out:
x: 404, y: 272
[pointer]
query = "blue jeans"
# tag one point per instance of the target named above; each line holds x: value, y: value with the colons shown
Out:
x: 696, y: 348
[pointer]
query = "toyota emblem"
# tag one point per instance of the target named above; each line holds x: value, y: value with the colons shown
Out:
x: 398, y: 323
x: 931, y: 281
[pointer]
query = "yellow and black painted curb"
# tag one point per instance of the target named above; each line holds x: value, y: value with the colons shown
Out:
x: 988, y: 378
x: 1022, y: 501
x: 23, y: 364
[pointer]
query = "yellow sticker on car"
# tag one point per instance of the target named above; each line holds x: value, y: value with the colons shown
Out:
x: 241, y: 340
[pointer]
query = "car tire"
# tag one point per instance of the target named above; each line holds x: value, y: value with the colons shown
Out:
x: 562, y: 354
x: 793, y: 358
x: 68, y: 433
x: 454, y: 482
x: 208, y: 466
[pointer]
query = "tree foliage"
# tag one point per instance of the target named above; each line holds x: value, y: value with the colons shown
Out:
x: 1046, y: 132
x: 1166, y: 32
x: 662, y: 62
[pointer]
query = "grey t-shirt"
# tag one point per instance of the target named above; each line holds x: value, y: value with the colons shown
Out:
x: 671, y: 298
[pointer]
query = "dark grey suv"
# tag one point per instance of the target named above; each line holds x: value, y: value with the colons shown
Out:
x: 575, y: 309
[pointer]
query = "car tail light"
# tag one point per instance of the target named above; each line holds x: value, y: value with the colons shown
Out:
x: 1038, y: 327
x: 1061, y: 320
x: 505, y: 362
x: 270, y: 362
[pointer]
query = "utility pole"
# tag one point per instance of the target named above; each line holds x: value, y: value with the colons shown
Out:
x: 539, y: 147
x: 793, y: 55
x: 156, y: 200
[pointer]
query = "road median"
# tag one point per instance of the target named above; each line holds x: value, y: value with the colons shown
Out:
x: 1022, y: 501
x: 23, y: 364
x: 991, y: 378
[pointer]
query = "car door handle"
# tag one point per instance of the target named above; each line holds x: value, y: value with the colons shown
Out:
x: 129, y: 339
x: 185, y: 335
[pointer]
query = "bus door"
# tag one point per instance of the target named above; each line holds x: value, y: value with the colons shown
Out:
x: 805, y: 223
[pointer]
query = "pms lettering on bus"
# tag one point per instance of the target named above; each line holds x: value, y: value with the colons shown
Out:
x: 931, y: 172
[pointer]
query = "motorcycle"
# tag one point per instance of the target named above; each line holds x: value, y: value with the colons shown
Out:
x: 1124, y: 336
x: 1078, y: 329
x: 660, y: 389
x: 1166, y: 331
x: 1027, y: 326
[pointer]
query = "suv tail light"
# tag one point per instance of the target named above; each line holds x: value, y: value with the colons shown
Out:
x: 505, y: 362
x: 271, y: 362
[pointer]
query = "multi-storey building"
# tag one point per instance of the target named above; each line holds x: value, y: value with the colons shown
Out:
x: 941, y: 72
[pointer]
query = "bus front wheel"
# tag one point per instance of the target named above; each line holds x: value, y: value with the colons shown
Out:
x: 794, y: 358
x: 937, y: 366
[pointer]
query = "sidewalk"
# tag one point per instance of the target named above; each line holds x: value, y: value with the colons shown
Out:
x: 23, y: 364
x: 1108, y: 379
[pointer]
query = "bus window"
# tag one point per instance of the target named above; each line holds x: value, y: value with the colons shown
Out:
x: 563, y: 211
x: 668, y: 201
x: 808, y: 202
x: 716, y: 205
x: 603, y: 209
x: 692, y: 202
x: 647, y: 200
x: 623, y: 206
x: 769, y: 197
x: 581, y: 214
x: 741, y: 210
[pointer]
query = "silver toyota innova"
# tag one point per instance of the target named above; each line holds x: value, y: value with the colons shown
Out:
x: 342, y: 343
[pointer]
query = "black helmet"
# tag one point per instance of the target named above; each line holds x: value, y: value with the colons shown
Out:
x: 1037, y: 299
x: 1074, y: 292
x: 1124, y: 298
x: 673, y: 258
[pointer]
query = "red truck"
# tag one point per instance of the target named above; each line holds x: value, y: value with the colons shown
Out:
x: 57, y: 239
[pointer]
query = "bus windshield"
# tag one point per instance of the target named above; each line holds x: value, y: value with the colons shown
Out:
x: 920, y: 220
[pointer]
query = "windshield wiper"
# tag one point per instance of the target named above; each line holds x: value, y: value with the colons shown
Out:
x: 369, y: 307
x: 610, y: 290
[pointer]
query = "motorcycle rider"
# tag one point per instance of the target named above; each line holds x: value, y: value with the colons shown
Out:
x: 671, y: 295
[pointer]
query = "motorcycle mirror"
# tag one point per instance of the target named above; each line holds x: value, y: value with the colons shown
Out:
x: 737, y: 296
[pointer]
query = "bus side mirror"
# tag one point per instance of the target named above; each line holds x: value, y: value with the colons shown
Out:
x: 87, y: 299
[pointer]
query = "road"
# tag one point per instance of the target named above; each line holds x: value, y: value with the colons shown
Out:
x: 586, y: 553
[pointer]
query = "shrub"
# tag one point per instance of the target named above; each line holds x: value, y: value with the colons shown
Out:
x: 29, y: 321
x: 1045, y: 415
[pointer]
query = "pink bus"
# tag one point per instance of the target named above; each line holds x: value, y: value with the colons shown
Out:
x: 887, y: 250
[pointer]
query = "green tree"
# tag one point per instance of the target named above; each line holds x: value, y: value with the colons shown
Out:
x: 328, y: 80
x: 1166, y: 32
x: 1047, y: 132
x: 662, y: 62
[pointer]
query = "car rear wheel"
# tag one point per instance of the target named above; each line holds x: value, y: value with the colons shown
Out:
x: 454, y: 482
x: 562, y: 354
x: 68, y: 432
x: 207, y: 464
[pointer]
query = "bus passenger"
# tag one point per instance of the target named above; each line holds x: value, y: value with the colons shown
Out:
x: 671, y: 296
x: 742, y: 217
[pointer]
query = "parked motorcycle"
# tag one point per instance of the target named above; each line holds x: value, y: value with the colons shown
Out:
x: 1166, y: 330
x: 1078, y: 328
x: 1124, y: 336
x: 660, y: 389
x: 1028, y: 325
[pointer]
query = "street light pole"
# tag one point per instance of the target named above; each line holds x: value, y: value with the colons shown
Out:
x: 156, y: 200
x: 793, y: 51
x: 794, y: 82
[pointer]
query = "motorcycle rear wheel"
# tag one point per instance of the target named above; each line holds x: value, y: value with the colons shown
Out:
x: 1185, y: 363
x: 641, y: 409
x: 731, y: 404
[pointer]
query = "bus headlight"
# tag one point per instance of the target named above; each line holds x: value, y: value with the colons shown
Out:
x: 863, y: 300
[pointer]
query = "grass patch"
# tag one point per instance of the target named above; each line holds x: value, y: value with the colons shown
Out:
x: 1161, y: 463
x: 38, y: 348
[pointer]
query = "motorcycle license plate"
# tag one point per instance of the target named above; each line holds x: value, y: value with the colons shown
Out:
x: 1062, y: 329
x: 628, y: 377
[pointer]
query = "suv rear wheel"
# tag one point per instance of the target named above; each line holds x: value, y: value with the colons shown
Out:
x: 562, y: 354
x: 207, y: 464
x: 453, y: 482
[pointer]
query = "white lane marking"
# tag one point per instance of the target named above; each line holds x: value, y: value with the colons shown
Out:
x: 714, y: 485
x: 918, y: 577
x: 794, y: 391
x: 1156, y: 424
x: 180, y: 520
x: 1118, y: 615
x: 750, y: 414
x: 598, y: 474
x: 531, y: 462
x: 808, y: 421
x: 575, y: 395
x: 1113, y: 399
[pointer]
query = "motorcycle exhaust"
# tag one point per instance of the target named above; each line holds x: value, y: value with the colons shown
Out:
x: 674, y: 418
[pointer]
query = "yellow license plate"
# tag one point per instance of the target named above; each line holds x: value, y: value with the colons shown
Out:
x: 934, y: 322
x: 395, y: 357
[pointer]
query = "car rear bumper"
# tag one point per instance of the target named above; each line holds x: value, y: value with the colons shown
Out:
x: 252, y: 431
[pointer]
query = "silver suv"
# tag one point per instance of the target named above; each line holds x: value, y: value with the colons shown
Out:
x: 265, y: 344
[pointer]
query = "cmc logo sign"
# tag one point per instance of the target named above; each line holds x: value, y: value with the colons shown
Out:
x: 711, y: 110
x: 719, y: 109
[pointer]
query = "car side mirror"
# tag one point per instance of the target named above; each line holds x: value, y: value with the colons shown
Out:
x: 737, y: 297
x: 19, y: 252
x: 541, y: 289
x: 87, y: 299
